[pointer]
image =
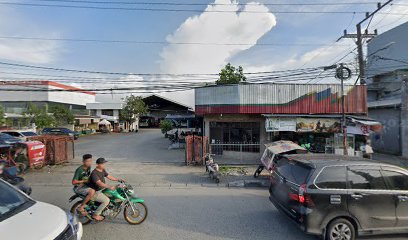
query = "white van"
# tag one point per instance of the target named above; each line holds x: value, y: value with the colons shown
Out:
x: 22, y: 218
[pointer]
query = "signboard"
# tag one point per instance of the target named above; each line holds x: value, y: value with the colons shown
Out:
x: 359, y: 129
x: 280, y: 124
x: 318, y: 125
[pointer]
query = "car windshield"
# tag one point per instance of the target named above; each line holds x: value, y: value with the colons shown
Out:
x: 11, y: 200
x: 29, y: 133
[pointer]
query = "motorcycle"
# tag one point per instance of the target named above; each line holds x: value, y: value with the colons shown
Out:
x: 212, y: 168
x: 123, y: 197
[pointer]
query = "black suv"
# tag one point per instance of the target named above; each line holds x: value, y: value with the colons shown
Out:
x: 340, y: 197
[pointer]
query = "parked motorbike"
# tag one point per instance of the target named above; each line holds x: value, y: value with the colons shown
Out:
x: 212, y: 168
x: 123, y: 197
x: 10, y: 175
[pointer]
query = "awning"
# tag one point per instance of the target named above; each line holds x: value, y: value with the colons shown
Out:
x: 104, y: 122
x: 374, y: 126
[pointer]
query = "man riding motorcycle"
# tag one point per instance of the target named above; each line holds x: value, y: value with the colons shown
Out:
x: 80, y: 179
x: 97, y: 182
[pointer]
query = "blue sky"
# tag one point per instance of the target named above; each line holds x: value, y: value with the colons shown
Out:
x: 268, y: 27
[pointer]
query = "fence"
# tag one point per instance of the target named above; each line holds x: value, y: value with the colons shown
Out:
x: 58, y: 149
x: 236, y: 153
x: 196, y: 149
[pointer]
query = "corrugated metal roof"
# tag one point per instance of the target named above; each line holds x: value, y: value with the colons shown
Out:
x: 280, y: 99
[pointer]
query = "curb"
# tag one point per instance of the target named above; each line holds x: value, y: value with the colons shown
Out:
x: 264, y: 183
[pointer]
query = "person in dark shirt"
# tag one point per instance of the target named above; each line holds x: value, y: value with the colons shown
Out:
x: 80, y: 180
x: 97, y: 182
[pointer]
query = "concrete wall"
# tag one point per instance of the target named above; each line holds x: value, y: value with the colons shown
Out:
x: 391, y: 44
x: 389, y: 140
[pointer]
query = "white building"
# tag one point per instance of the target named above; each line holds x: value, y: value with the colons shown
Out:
x: 15, y: 96
x: 111, y: 113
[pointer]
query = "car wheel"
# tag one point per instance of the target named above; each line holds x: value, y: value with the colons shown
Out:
x: 340, y: 229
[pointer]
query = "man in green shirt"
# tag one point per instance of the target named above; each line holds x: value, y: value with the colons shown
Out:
x: 80, y: 181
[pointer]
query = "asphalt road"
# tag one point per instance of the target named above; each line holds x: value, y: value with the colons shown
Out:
x: 181, y: 204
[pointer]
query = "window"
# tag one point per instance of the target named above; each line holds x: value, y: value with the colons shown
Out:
x: 292, y: 171
x: 366, y: 179
x: 107, y: 112
x: 397, y: 181
x: 332, y: 178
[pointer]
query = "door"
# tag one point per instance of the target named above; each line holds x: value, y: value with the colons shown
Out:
x: 398, y: 183
x: 369, y: 201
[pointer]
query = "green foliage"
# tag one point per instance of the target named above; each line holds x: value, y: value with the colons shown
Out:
x: 166, y: 126
x: 62, y: 115
x: 134, y: 107
x: 2, y: 116
x: 231, y: 75
x: 38, y: 116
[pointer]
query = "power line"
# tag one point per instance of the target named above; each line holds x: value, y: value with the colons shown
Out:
x: 159, y: 42
x: 172, y: 10
x: 206, y: 4
x: 133, y: 74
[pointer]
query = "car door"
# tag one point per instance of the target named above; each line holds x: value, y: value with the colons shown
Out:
x: 369, y: 201
x: 398, y: 183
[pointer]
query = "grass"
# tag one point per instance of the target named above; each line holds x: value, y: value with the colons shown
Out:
x: 227, y: 169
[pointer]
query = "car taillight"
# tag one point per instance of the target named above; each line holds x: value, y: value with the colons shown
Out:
x: 303, y: 197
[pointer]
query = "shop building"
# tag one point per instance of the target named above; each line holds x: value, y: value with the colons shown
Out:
x: 160, y: 107
x: 240, y: 119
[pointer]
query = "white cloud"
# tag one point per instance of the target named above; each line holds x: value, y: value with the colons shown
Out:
x: 29, y: 51
x: 235, y: 28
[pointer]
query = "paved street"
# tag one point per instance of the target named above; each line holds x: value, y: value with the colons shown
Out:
x: 183, y: 203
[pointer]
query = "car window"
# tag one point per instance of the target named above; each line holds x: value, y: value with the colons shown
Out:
x: 366, y: 179
x: 14, y: 134
x: 29, y: 134
x: 293, y: 171
x: 396, y: 180
x: 332, y: 177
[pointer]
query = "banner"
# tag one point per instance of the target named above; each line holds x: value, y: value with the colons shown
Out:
x: 280, y: 124
x: 359, y: 129
x: 318, y: 125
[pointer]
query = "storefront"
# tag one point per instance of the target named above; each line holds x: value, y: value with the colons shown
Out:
x: 240, y: 119
x: 322, y: 134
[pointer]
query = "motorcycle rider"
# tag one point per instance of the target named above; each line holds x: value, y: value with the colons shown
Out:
x: 80, y: 180
x: 97, y: 182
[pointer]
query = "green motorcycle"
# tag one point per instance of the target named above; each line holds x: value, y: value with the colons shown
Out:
x: 123, y: 197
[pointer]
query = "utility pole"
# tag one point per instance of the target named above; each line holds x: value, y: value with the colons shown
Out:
x: 343, y: 73
x: 359, y: 36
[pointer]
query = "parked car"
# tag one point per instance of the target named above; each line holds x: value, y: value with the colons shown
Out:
x: 7, y: 139
x: 21, y: 134
x: 341, y: 197
x: 60, y: 131
x: 40, y: 221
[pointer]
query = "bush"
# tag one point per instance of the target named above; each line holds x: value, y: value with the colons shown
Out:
x: 166, y: 126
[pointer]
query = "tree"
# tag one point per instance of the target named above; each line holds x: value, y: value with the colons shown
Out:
x: 39, y: 116
x: 2, y: 116
x: 231, y: 75
x: 62, y: 115
x: 134, y: 107
x: 166, y: 126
